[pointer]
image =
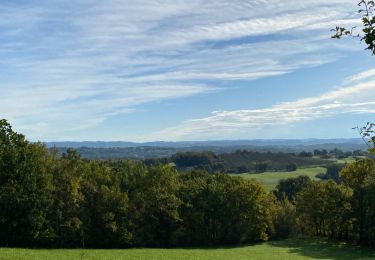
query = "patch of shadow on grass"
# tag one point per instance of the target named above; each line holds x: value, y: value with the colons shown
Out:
x: 324, y: 249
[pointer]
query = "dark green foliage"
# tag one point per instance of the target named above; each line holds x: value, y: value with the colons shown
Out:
x: 240, y: 161
x: 259, y: 162
x: 359, y: 153
x: 47, y: 200
x: 52, y: 201
x: 289, y: 188
x: 360, y: 177
x: 320, y: 152
x: 219, y: 209
x: 341, y: 211
x: 332, y: 173
x: 104, y: 208
x: 339, y: 154
x: 154, y: 205
x: 25, y: 190
x: 284, y: 219
x: 261, y: 167
x: 65, y: 215
x: 190, y: 159
x: 322, y: 208
x: 291, y: 167
x: 306, y: 154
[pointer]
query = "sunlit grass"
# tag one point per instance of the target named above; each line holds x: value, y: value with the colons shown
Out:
x: 269, y: 180
x: 285, y: 249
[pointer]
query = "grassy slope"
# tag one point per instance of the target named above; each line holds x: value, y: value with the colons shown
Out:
x: 346, y: 160
x: 286, y: 249
x: 269, y: 180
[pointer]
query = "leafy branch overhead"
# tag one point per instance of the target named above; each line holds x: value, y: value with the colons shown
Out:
x: 367, y: 133
x: 367, y: 33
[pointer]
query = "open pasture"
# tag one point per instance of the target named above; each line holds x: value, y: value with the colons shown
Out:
x: 298, y: 249
x: 269, y: 180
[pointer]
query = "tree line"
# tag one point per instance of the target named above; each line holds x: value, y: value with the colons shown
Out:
x: 240, y: 161
x: 49, y: 200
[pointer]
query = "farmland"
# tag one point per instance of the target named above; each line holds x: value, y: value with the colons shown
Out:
x: 286, y: 249
x: 269, y: 180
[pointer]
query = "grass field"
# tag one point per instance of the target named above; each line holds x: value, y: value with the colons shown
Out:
x: 269, y: 180
x: 286, y: 249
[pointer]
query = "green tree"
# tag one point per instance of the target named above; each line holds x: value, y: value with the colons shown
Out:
x: 154, y: 206
x: 360, y: 177
x: 332, y: 172
x: 25, y: 190
x: 367, y: 29
x: 337, y: 208
x: 104, y: 208
x: 219, y: 209
x: 67, y: 173
x: 323, y: 209
x: 289, y: 187
x: 284, y: 218
x: 291, y: 167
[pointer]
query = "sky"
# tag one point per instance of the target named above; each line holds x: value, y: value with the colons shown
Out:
x: 172, y: 70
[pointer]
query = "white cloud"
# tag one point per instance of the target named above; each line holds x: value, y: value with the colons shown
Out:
x: 68, y: 64
x: 362, y: 76
x: 259, y: 26
x: 356, y: 99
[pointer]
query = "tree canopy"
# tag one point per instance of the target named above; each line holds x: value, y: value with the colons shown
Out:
x: 52, y: 200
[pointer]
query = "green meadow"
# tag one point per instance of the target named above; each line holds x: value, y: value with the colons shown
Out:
x: 286, y: 249
x: 269, y: 180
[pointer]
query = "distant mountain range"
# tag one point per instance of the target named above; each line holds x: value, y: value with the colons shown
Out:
x: 285, y: 143
x: 132, y: 150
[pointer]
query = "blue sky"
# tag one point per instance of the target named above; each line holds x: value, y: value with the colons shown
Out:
x: 182, y: 70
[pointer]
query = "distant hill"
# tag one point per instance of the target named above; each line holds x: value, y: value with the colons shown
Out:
x: 133, y: 150
x: 355, y: 142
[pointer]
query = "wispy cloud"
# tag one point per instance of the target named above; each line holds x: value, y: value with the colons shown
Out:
x: 67, y: 65
x: 368, y: 74
x: 355, y: 99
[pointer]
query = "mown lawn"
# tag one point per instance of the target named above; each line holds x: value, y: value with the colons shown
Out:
x: 285, y: 249
x: 269, y: 180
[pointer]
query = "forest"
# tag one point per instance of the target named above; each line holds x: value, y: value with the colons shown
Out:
x: 63, y: 201
x: 242, y: 161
